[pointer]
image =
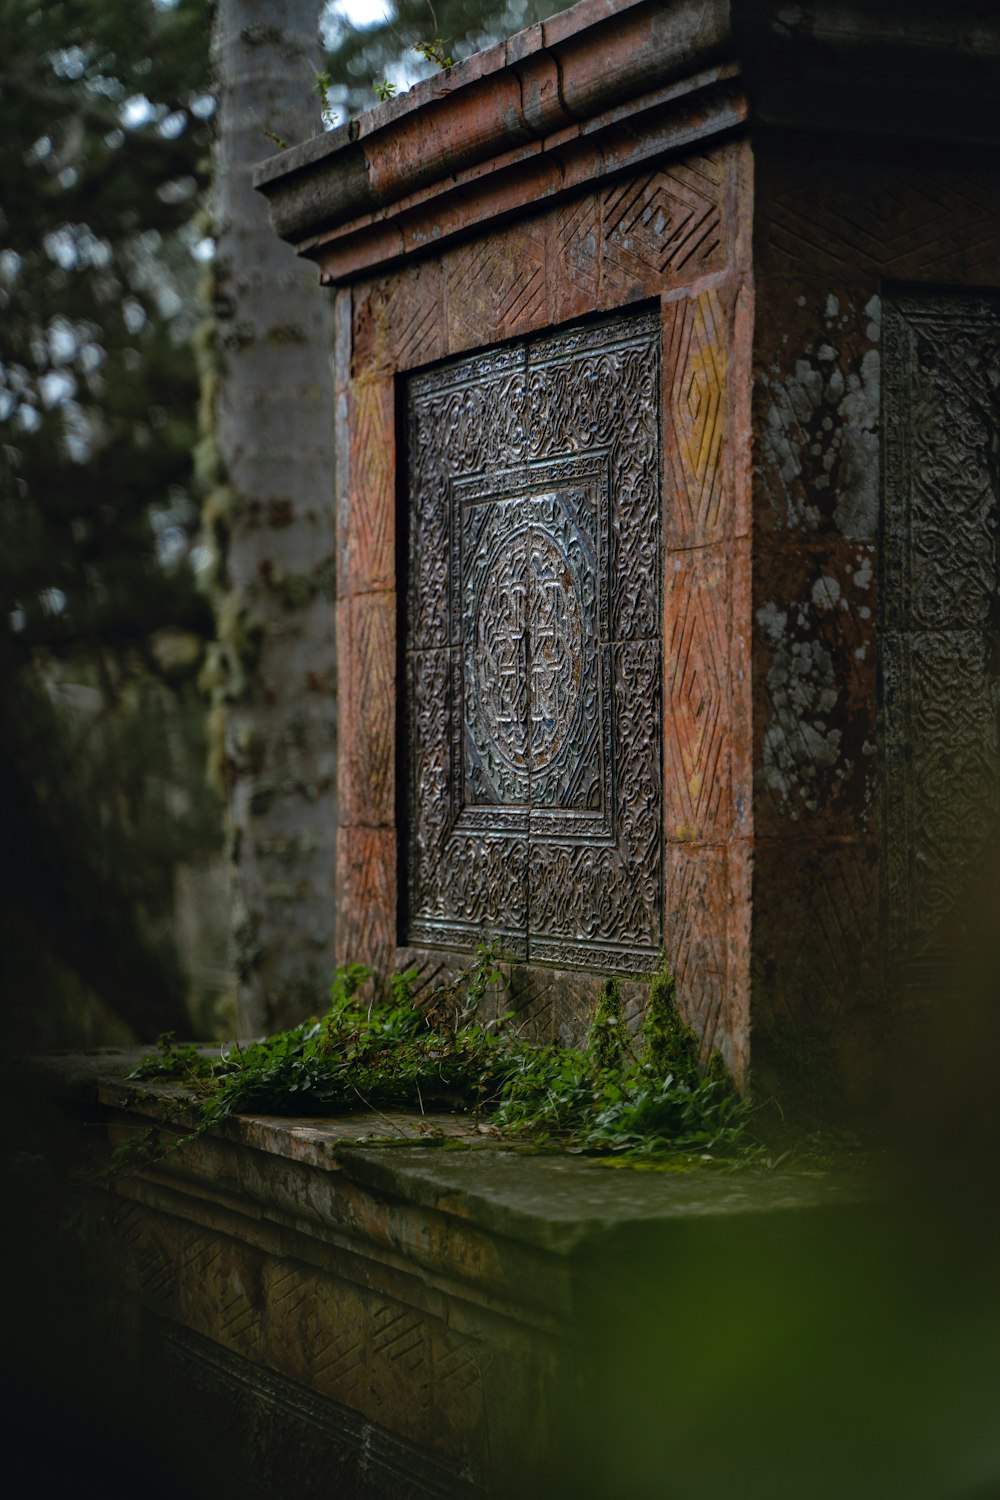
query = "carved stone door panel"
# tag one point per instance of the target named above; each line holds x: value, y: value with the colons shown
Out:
x: 532, y: 640
x: 940, y: 611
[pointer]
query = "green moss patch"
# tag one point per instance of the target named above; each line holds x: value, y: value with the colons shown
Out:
x: 435, y: 1052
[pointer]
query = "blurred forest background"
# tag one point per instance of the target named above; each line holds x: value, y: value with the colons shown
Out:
x: 120, y: 815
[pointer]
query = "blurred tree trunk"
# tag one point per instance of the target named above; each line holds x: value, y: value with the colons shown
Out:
x: 268, y: 466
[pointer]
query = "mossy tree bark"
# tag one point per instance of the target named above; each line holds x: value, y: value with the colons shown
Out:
x: 269, y: 464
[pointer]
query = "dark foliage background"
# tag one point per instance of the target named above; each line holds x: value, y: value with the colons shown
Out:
x: 105, y: 110
x: 114, y: 915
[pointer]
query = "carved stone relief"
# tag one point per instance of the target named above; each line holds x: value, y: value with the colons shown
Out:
x: 939, y: 609
x: 533, y: 628
x: 272, y: 1436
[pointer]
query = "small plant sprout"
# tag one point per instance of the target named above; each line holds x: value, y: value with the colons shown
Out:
x: 433, y: 52
x: 323, y: 85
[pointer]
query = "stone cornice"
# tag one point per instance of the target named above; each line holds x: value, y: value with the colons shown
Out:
x: 543, y: 80
x: 609, y: 84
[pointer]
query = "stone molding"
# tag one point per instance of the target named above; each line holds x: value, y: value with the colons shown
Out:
x: 608, y: 84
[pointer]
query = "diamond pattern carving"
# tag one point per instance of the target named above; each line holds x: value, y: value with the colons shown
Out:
x: 372, y: 537
x: 696, y: 716
x: 936, y: 219
x: 496, y: 286
x: 696, y: 936
x: 696, y: 357
x: 366, y: 877
x: 397, y: 323
x: 668, y: 222
x: 574, y: 274
x: 371, y: 731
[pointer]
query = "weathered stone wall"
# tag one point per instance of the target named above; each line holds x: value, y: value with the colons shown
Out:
x: 677, y: 233
x: 305, y: 1307
x: 766, y: 175
x: 840, y: 231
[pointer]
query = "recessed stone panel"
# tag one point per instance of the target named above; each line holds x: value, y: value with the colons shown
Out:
x: 533, y: 646
x: 940, y: 615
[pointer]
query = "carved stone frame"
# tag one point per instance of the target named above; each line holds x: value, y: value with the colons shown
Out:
x: 556, y: 852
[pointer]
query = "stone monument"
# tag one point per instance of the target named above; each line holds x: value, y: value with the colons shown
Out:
x: 668, y: 420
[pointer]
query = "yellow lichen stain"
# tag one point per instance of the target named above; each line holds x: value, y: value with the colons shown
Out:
x: 701, y: 389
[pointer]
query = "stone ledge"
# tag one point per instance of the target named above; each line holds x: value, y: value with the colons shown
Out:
x: 555, y: 1203
x: 373, y: 1321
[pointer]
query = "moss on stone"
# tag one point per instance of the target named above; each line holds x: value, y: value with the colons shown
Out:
x: 608, y: 1037
x: 669, y: 1046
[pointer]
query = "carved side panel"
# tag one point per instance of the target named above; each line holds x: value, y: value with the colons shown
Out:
x: 366, y: 881
x: 533, y: 649
x: 291, y: 1440
x: 940, y: 610
x: 397, y: 322
x: 697, y: 731
x: 900, y: 213
x: 369, y: 743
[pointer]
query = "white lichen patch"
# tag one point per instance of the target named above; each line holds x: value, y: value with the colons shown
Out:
x: 801, y: 747
x: 826, y: 594
x: 856, y: 512
x: 821, y: 430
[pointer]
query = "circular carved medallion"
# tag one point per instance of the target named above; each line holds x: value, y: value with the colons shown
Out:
x: 529, y: 641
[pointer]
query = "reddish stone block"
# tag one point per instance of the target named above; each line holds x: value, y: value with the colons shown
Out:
x: 344, y: 610
x: 711, y: 979
x: 366, y: 892
x: 574, y: 257
x: 496, y: 288
x: 697, y: 342
x: 368, y: 732
x: 696, y: 717
x: 663, y: 228
x: 740, y: 691
x: 398, y: 321
x: 548, y: 1006
x: 368, y: 552
x: 741, y: 466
